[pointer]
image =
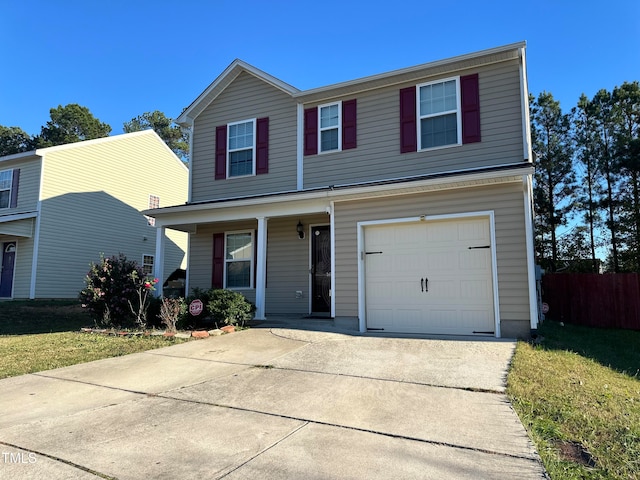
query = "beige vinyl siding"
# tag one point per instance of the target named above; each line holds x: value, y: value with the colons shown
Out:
x: 378, y: 157
x: 287, y: 261
x: 201, y: 254
x: 28, y: 186
x: 508, y: 205
x: 22, y: 268
x: 92, y: 196
x: 246, y: 98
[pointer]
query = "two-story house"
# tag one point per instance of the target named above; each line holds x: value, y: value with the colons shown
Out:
x: 62, y: 206
x: 401, y: 201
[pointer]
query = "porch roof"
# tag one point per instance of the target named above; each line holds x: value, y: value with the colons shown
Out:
x: 319, y: 200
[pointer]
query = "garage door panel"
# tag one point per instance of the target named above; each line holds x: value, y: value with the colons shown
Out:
x: 475, y: 290
x: 459, y: 299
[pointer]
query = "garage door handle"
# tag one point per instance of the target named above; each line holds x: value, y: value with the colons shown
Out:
x: 422, y: 284
x: 426, y: 284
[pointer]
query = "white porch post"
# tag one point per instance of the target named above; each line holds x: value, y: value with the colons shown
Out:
x: 158, y: 261
x: 261, y: 268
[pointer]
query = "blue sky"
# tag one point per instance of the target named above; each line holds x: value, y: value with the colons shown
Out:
x: 123, y: 58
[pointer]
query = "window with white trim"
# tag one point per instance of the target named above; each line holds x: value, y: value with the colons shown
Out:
x: 241, y: 148
x: 238, y: 262
x: 6, y: 177
x: 439, y: 114
x: 330, y: 123
x: 147, y: 264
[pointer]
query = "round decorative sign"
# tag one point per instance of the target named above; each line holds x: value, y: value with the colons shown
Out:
x: 195, y: 307
x: 545, y: 308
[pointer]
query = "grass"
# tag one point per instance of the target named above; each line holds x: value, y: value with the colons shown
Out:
x: 41, y: 335
x: 578, y: 395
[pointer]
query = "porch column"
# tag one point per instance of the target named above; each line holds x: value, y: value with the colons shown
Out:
x: 261, y: 267
x: 158, y: 261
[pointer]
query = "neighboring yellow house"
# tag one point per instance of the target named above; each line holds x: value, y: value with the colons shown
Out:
x: 61, y: 207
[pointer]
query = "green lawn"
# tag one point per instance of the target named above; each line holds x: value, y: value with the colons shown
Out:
x: 578, y: 395
x: 41, y: 335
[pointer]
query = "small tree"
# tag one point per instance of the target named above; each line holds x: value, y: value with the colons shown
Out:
x: 171, y: 311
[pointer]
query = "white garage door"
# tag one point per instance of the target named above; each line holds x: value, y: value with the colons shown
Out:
x: 429, y: 277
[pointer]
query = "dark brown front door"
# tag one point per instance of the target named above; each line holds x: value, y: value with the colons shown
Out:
x: 320, y: 269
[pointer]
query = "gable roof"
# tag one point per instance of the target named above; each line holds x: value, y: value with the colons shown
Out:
x: 224, y: 79
x: 41, y: 152
x: 438, y: 67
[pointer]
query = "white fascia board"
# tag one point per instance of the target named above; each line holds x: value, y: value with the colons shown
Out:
x: 232, y: 71
x: 388, y: 76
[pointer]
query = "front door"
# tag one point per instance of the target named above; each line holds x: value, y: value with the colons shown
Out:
x: 320, y: 269
x: 6, y: 269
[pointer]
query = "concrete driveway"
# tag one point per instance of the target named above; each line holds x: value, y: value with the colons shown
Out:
x: 272, y: 403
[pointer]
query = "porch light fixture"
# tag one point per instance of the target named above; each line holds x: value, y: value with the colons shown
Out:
x: 300, y: 230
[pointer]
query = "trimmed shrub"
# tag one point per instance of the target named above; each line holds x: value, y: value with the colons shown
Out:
x: 230, y: 308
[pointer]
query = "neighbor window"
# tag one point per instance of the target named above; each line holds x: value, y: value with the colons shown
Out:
x: 238, y: 259
x: 330, y: 135
x: 241, y: 148
x: 439, y: 110
x: 5, y: 188
x: 154, y: 202
x: 147, y: 264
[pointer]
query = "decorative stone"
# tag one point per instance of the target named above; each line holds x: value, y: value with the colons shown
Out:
x: 215, y: 332
x: 228, y: 329
x: 200, y: 334
x: 183, y: 335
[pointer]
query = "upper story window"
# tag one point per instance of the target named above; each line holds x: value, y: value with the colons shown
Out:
x: 6, y: 181
x: 241, y: 148
x: 330, y: 127
x: 439, y: 114
x: 238, y: 259
x: 439, y: 110
x: 154, y: 202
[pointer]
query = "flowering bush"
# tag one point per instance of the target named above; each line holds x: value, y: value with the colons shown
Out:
x: 116, y: 292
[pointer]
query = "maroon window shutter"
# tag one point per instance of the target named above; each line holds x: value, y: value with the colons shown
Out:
x: 262, y: 146
x: 221, y: 152
x: 349, y: 130
x: 13, y: 202
x: 408, y: 121
x: 217, y: 279
x: 470, y: 100
x: 311, y: 131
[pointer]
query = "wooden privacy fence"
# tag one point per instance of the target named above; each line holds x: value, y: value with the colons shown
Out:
x: 609, y: 300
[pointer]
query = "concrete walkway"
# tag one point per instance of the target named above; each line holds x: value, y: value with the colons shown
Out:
x: 272, y: 403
